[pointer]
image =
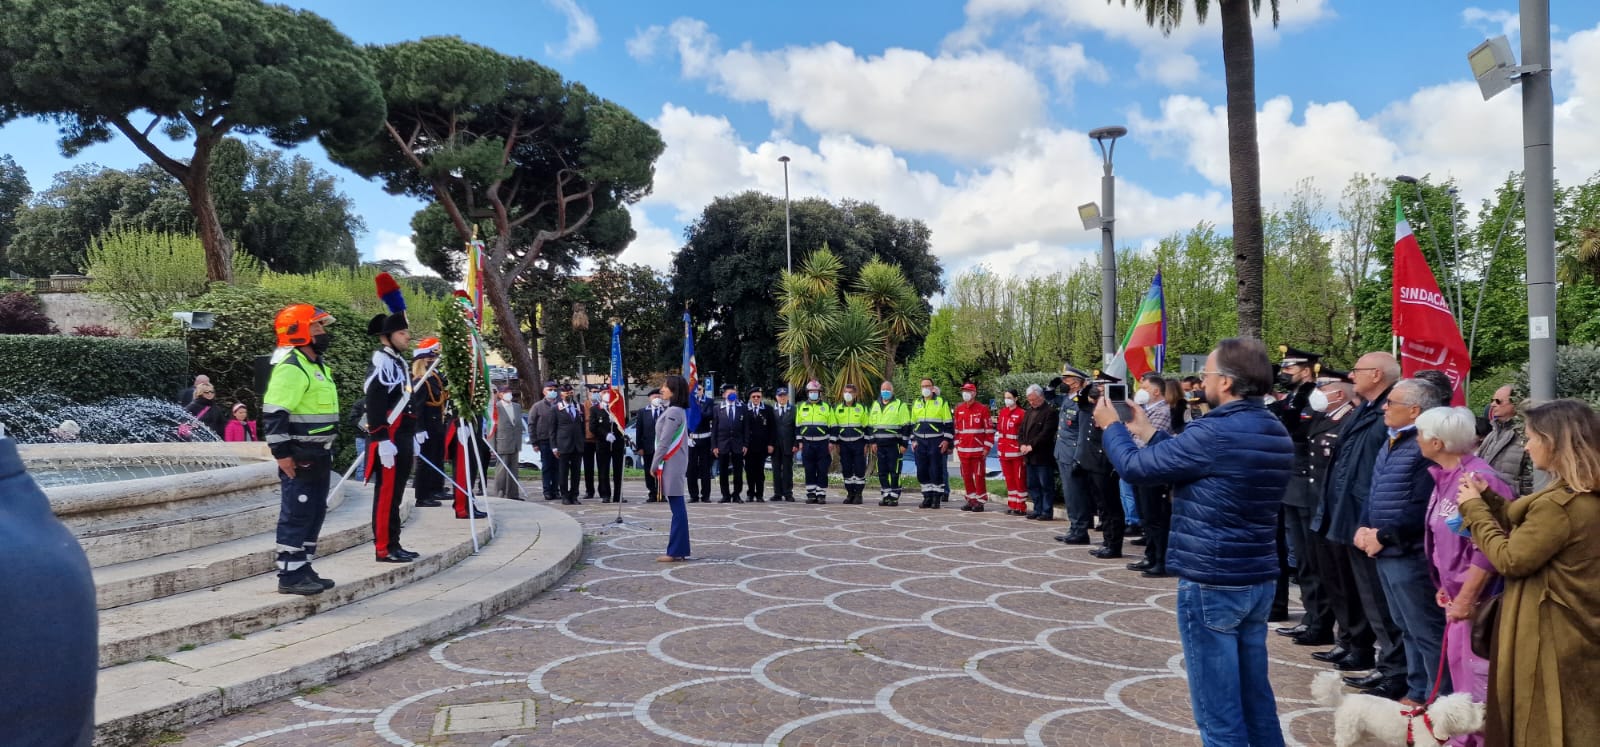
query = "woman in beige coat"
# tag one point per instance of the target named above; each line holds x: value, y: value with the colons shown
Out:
x: 1544, y: 669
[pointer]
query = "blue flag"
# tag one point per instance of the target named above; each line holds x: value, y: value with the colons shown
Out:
x: 618, y: 409
x: 691, y: 373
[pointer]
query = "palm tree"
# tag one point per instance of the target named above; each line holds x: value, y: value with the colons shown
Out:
x: 852, y: 347
x: 1244, y: 153
x: 1582, y: 258
x: 808, y: 309
x: 895, y: 305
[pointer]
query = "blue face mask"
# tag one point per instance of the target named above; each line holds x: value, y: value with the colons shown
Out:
x: 1453, y: 522
x: 732, y: 398
x: 550, y: 394
x: 886, y: 396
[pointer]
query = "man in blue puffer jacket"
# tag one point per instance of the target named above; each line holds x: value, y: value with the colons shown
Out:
x: 1392, y: 527
x: 48, y: 652
x: 1228, y: 472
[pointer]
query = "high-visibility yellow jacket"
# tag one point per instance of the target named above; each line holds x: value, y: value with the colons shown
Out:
x: 301, y: 406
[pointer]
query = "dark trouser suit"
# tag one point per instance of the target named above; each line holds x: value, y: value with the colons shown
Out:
x: 782, y: 473
x: 1155, y: 507
x: 755, y: 472
x: 588, y: 468
x: 1075, y: 497
x: 932, y: 470
x: 1342, y: 598
x: 549, y: 472
x: 1375, y: 606
x: 649, y: 458
x: 300, y: 521
x: 730, y: 463
x: 1318, y: 617
x: 429, y: 483
x: 387, y: 490
x: 571, y: 465
x: 1106, y: 491
x: 608, y: 456
x: 699, y: 477
x: 890, y: 452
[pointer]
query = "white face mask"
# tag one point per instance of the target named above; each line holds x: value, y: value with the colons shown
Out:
x: 550, y: 394
x: 813, y: 396
x: 1011, y: 402
x: 927, y: 392
x: 1319, y: 401
x: 849, y: 397
x: 1142, y: 397
x: 967, y: 396
x: 655, y: 401
x: 506, y: 396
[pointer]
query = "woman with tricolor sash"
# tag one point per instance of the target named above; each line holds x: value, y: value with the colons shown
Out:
x: 671, y: 464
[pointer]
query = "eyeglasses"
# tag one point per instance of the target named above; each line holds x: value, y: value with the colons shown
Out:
x: 1498, y: 401
x: 1353, y: 370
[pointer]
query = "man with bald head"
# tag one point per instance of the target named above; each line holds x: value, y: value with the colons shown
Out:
x: 1349, y: 484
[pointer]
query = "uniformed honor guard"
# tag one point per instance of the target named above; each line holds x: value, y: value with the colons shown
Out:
x: 850, y: 432
x: 813, y: 421
x: 758, y: 446
x: 299, y: 420
x: 1099, y: 477
x: 1297, y: 373
x: 974, y: 438
x: 391, y: 425
x: 932, y: 433
x: 728, y: 424
x: 700, y: 457
x: 431, y: 396
x: 890, y: 424
x: 783, y: 448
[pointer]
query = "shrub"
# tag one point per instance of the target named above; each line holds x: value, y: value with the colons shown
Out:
x: 354, y: 288
x: 88, y: 369
x: 22, y: 314
x: 95, y: 330
x: 1018, y: 381
x: 1577, y: 374
x: 145, y: 273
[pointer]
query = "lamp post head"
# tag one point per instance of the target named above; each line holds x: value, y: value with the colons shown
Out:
x: 1406, y: 179
x: 1106, y: 138
x: 783, y: 159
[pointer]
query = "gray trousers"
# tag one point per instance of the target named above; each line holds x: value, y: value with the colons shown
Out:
x: 1075, y: 498
x: 505, y: 481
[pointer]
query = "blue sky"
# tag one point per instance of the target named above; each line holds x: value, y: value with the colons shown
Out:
x: 973, y: 117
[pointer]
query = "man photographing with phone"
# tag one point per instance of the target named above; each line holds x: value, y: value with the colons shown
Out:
x: 1228, y: 471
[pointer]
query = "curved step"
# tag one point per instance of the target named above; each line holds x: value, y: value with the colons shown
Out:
x: 534, y: 547
x: 168, y: 624
x: 348, y: 524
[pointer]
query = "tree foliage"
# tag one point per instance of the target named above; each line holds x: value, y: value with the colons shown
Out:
x: 652, y: 340
x: 22, y: 314
x: 14, y: 193
x: 280, y: 209
x: 145, y: 273
x: 729, y: 269
x: 827, y: 334
x: 503, y: 145
x: 196, y: 70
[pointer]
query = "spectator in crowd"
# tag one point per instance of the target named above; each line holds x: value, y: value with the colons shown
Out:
x: 1038, y: 439
x: 204, y: 409
x: 1392, y: 528
x: 1544, y: 674
x: 187, y: 395
x: 240, y: 427
x: 1224, y: 545
x: 1440, y: 381
x: 1325, y: 574
x: 1154, y: 503
x: 1461, y: 573
x: 1096, y: 472
x: 1503, y: 447
x: 1178, y: 404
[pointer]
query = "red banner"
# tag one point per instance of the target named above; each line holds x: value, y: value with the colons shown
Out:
x: 1428, y: 333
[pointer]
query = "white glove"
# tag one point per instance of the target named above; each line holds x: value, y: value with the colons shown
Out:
x: 422, y: 436
x: 386, y: 453
x: 611, y: 438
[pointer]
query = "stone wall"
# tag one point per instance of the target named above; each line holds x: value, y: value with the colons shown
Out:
x: 70, y: 310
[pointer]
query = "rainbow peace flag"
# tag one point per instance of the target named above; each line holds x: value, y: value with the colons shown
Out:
x: 1145, y: 348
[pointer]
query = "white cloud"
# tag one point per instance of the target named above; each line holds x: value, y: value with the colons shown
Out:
x: 1493, y: 22
x: 652, y: 246
x: 968, y: 105
x: 582, y: 32
x: 391, y: 245
x: 1068, y: 64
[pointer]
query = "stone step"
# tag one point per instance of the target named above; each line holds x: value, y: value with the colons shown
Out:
x: 158, y: 627
x: 348, y: 524
x: 535, y: 545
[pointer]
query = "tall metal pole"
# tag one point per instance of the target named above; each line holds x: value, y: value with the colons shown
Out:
x: 1538, y: 168
x: 788, y: 249
x: 1106, y: 138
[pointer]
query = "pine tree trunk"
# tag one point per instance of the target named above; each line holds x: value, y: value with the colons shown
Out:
x: 1244, y: 161
x: 219, y: 252
x: 511, y: 339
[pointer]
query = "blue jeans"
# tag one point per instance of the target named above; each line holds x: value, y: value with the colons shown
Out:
x: 1224, y: 633
x: 1409, y: 588
x: 1130, y: 506
x: 1042, y: 489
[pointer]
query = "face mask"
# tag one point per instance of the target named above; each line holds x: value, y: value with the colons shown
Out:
x: 655, y: 401
x: 886, y: 396
x: 1285, y: 380
x: 967, y: 396
x: 1011, y: 402
x: 849, y: 397
x: 813, y: 396
x: 732, y: 398
x: 1319, y: 401
x: 319, y: 343
x: 927, y: 392
x: 595, y: 398
x: 506, y: 396
x: 550, y: 395
x: 1142, y: 397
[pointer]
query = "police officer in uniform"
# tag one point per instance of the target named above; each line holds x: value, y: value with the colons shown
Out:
x: 700, y: 457
x: 1074, y: 493
x: 850, y: 432
x: 1098, y: 474
x: 783, y: 448
x: 932, y: 434
x: 890, y: 425
x: 758, y: 446
x: 299, y: 420
x: 391, y: 425
x: 1297, y: 376
x: 813, y: 422
x: 1354, y: 637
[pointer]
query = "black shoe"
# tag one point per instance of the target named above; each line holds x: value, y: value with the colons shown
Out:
x: 326, y: 582
x: 428, y: 503
x: 978, y: 508
x: 737, y: 499
x: 552, y: 497
x: 1291, y: 632
x: 1156, y: 572
x: 1031, y: 517
x: 1312, y: 639
x: 1045, y: 517
x: 788, y: 499
x: 1354, y: 662
x: 1337, y: 653
x: 1074, y: 539
x: 1364, y: 681
x: 404, y: 553
x: 482, y: 515
x: 726, y: 500
x: 758, y: 499
x: 1142, y: 565
x: 1133, y: 530
x: 305, y: 587
x: 393, y: 559
x: 822, y: 501
x: 966, y: 507
x: 569, y: 501
x: 1106, y: 553
x: 1138, y: 541
x: 1393, y: 688
x: 589, y: 497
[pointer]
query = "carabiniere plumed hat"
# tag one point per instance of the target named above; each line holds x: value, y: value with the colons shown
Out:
x: 389, y: 293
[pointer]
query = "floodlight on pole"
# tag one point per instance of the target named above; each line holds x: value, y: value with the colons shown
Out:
x: 1106, y: 138
x: 1495, y: 68
x: 788, y: 250
x: 1089, y: 213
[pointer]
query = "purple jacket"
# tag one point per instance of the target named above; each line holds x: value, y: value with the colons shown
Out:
x: 1451, y: 554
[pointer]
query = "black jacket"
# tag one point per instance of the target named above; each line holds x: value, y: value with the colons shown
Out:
x: 542, y: 422
x: 1350, y: 474
x: 1091, y: 440
x: 381, y: 400
x: 567, y: 436
x: 600, y: 424
x: 783, y: 427
x: 644, y: 428
x: 759, y: 428
x: 729, y: 426
x: 1039, y: 431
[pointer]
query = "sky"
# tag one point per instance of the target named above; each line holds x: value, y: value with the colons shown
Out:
x: 974, y: 117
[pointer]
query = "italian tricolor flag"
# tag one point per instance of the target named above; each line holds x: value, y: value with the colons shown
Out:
x: 1145, y: 348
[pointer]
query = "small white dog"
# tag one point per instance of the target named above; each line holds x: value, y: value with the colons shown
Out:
x: 1358, y: 717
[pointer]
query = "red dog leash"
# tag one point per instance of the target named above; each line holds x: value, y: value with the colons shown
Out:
x: 1422, y: 710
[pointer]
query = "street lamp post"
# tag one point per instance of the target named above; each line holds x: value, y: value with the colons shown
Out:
x: 1106, y: 138
x: 788, y: 250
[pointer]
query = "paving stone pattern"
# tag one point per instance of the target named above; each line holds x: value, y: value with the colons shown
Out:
x: 797, y: 625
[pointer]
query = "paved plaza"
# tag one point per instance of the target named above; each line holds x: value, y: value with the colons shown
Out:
x: 795, y: 625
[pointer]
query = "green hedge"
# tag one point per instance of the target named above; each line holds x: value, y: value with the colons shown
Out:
x: 89, y: 369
